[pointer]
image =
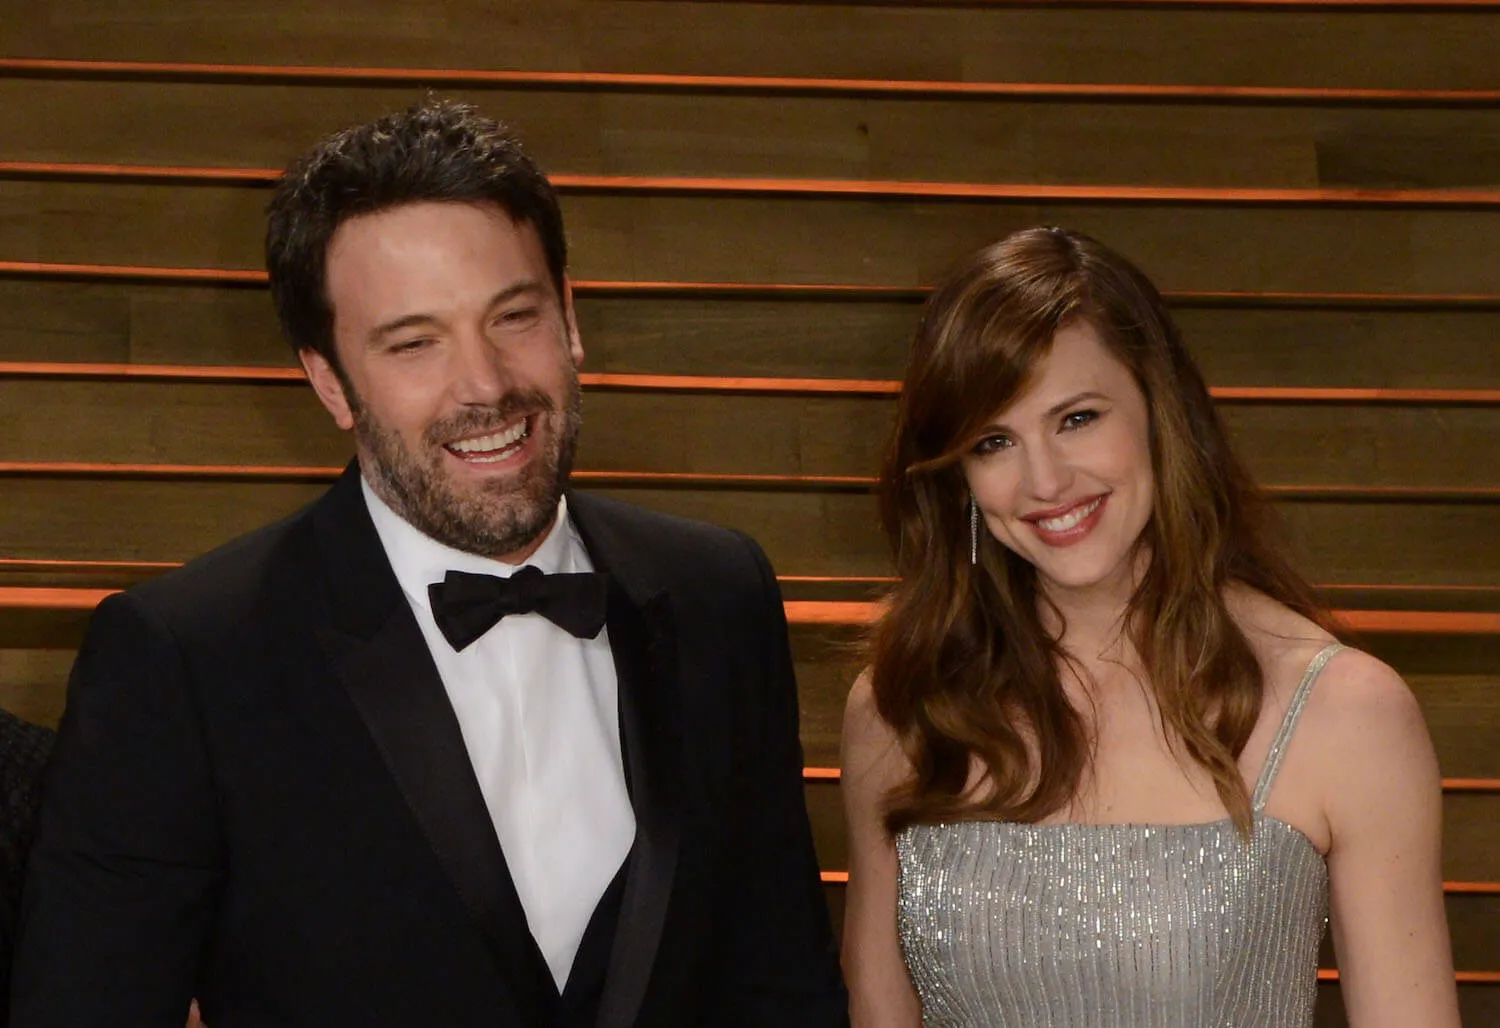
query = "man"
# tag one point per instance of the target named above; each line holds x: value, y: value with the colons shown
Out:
x: 447, y: 747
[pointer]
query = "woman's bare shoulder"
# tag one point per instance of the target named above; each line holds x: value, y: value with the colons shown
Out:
x: 871, y: 747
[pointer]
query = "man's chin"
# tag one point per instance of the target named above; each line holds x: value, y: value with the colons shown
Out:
x: 492, y: 521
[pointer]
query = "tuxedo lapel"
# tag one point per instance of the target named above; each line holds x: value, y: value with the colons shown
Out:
x: 383, y: 660
x: 642, y: 639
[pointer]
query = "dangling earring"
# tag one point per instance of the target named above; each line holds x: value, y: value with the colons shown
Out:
x: 973, y: 531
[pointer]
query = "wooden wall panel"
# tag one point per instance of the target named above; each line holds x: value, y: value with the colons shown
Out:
x: 805, y: 531
x: 1288, y: 344
x: 138, y: 322
x: 33, y: 682
x: 643, y: 132
x: 1337, y: 344
x: 281, y: 424
x: 781, y: 239
x: 1042, y: 43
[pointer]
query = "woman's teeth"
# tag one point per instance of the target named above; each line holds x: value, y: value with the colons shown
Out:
x: 487, y: 449
x: 1072, y: 518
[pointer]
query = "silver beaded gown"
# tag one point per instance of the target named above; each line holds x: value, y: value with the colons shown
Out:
x: 1117, y: 925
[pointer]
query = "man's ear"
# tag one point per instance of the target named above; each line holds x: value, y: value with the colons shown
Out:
x: 570, y: 319
x: 329, y: 387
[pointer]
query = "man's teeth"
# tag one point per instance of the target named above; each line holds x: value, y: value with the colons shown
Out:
x: 490, y: 444
x: 1072, y: 518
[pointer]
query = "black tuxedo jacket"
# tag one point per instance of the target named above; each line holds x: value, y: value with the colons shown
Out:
x: 260, y: 797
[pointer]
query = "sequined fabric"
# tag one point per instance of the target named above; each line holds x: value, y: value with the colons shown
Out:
x: 1116, y: 926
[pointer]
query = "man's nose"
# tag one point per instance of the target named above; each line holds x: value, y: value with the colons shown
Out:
x: 479, y: 372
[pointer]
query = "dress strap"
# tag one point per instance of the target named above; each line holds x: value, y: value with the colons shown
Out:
x: 1289, y: 725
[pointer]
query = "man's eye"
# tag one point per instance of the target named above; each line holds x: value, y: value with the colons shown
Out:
x: 518, y: 316
x: 410, y: 345
x: 1079, y: 418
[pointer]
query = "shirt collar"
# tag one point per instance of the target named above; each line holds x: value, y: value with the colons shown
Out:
x: 420, y: 560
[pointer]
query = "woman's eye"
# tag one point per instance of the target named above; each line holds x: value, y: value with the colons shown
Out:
x: 992, y: 444
x: 1079, y: 418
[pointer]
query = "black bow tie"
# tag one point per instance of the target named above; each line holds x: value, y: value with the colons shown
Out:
x: 466, y: 606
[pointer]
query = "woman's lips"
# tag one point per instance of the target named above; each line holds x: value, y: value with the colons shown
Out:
x: 1068, y: 525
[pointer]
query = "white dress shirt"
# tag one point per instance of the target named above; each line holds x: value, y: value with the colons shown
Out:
x: 540, y: 719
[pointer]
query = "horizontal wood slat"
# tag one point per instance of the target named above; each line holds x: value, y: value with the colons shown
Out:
x: 759, y: 238
x: 1441, y: 48
x: 668, y: 185
x: 46, y: 573
x: 829, y: 532
x: 756, y: 85
x: 769, y: 331
x: 804, y: 612
x: 743, y: 384
x: 1231, y: 299
x: 695, y: 480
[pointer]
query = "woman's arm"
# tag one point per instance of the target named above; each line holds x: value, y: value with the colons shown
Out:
x: 880, y: 992
x: 1384, y: 807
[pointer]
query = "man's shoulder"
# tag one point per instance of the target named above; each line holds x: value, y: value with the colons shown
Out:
x: 226, y: 582
x: 661, y: 539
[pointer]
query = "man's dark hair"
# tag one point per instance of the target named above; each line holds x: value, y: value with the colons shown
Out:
x: 437, y: 150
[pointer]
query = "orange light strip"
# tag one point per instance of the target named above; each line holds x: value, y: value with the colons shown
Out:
x: 717, y: 384
x: 1419, y: 622
x: 249, y: 374
x: 30, y: 564
x: 1462, y: 977
x: 823, y: 188
x: 805, y: 612
x: 138, y: 172
x: 22, y: 598
x: 108, y: 272
x: 1471, y: 784
x: 1373, y: 622
x: 744, y: 384
x: 894, y: 88
x: 1454, y: 785
x: 211, y: 472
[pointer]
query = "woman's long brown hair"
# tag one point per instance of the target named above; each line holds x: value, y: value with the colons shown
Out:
x: 961, y: 663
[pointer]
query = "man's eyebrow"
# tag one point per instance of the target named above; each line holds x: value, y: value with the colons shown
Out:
x: 397, y: 324
x: 510, y: 292
x: 421, y: 319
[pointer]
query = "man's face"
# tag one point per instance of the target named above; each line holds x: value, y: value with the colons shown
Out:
x: 460, y: 375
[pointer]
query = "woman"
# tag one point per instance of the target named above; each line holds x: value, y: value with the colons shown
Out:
x: 1108, y: 765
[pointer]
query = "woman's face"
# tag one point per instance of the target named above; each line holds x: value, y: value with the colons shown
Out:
x: 1063, y: 475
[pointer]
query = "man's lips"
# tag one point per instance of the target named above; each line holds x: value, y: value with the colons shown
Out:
x: 494, y: 445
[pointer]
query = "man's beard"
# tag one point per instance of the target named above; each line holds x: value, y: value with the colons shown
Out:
x: 496, y: 518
